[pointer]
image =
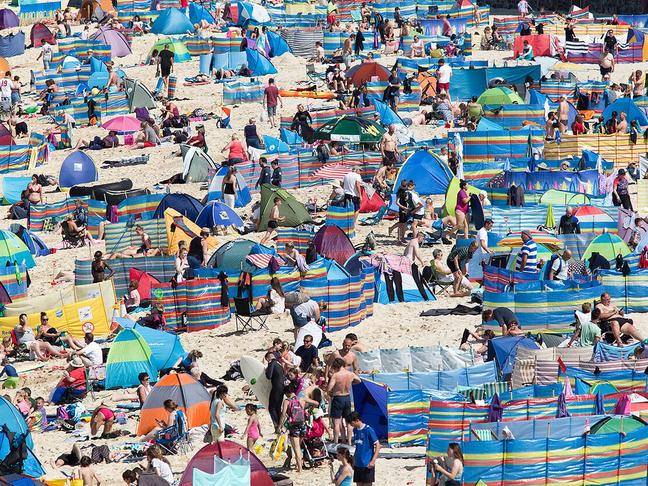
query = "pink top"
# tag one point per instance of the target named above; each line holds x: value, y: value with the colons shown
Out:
x: 461, y: 197
x: 236, y: 150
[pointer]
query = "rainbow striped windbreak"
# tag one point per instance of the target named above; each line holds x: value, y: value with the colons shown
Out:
x: 120, y: 236
x: 617, y: 148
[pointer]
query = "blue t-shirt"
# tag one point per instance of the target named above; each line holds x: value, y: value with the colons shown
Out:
x: 187, y: 361
x: 364, y: 440
x: 10, y: 371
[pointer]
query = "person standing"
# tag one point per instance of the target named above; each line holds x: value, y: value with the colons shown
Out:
x: 444, y: 73
x: 563, y: 114
x: 265, y: 176
x: 273, y: 221
x: 199, y: 249
x: 527, y: 258
x: 277, y: 175
x: 46, y: 56
x: 367, y: 447
x: 252, y: 138
x: 352, y: 185
x: 620, y: 194
x: 606, y: 64
x: 275, y: 373
x: 523, y: 8
x: 166, y: 58
x: 389, y: 146
x: 220, y: 400
x: 229, y: 187
x: 339, y: 389
x: 272, y: 98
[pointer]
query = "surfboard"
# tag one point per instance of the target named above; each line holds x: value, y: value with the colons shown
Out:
x: 311, y: 328
x: 254, y: 373
x: 476, y: 211
x: 25, y: 367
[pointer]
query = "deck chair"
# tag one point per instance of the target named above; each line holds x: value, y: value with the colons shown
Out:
x: 484, y: 435
x: 247, y: 317
x: 376, y: 218
x: 433, y: 279
x: 95, y: 379
x: 175, y: 439
x: 71, y: 240
x: 318, y: 79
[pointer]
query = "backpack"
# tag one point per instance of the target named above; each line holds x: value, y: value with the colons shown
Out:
x: 552, y: 260
x: 296, y: 414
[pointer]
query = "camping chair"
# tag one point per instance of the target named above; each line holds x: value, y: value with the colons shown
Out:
x: 95, y: 379
x: 484, y: 435
x: 376, y: 218
x: 175, y: 439
x: 433, y: 279
x: 247, y: 317
x: 71, y: 240
x: 318, y: 79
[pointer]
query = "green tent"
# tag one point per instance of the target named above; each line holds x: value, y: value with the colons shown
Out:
x: 196, y: 164
x: 499, y: 96
x: 451, y: 196
x: 565, y: 198
x: 617, y: 424
x: 139, y: 95
x: 293, y: 212
x: 608, y: 246
x: 180, y: 52
x: 129, y: 356
x: 350, y: 129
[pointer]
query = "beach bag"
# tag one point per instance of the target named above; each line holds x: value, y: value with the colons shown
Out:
x: 296, y: 414
x: 643, y: 259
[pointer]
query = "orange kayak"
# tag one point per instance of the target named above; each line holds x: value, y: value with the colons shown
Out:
x: 307, y: 94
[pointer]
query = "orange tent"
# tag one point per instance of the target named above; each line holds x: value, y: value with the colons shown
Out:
x: 4, y: 67
x: 428, y: 83
x: 192, y: 398
x: 96, y: 9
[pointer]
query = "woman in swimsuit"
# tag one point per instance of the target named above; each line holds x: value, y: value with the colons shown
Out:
x: 98, y: 268
x: 102, y: 417
x: 35, y: 191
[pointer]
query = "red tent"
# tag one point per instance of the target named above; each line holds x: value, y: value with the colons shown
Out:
x: 40, y: 34
x: 5, y: 135
x: 370, y: 204
x: 542, y: 45
x: 228, y: 451
x: 332, y: 242
x: 144, y: 280
x: 361, y: 73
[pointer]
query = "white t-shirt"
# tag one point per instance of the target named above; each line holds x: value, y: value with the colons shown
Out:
x: 5, y: 88
x: 92, y: 351
x: 308, y: 309
x: 482, y: 235
x: 416, y: 200
x: 164, y: 469
x: 445, y: 72
x: 349, y: 183
x: 560, y: 268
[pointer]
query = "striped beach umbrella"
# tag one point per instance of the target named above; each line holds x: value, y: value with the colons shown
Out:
x: 13, y: 251
x: 192, y: 398
x: 332, y: 171
x: 514, y: 240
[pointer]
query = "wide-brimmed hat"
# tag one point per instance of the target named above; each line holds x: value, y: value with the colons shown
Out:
x: 76, y: 362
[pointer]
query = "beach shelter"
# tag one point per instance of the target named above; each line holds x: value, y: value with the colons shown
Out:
x: 350, y: 129
x: 430, y: 174
x: 119, y: 45
x: 139, y: 96
x: 96, y: 10
x: 12, y: 45
x: 5, y: 134
x: 192, y: 398
x: 243, y: 195
x: 32, y: 241
x: 40, y: 34
x: 13, y: 422
x: 13, y: 251
x: 593, y: 219
x: 216, y: 213
x: 608, y: 245
x: 196, y: 165
x: 332, y: 242
x: 386, y: 114
x: 514, y: 240
x: 71, y: 62
x: 198, y: 13
x: 278, y: 44
x: 367, y: 71
x: 179, y: 49
x: 122, y: 124
x: 504, y: 350
x: 370, y: 203
x: 629, y: 107
x: 184, y: 204
x: 486, y: 125
x: 77, y: 168
x: 180, y: 228
x: 293, y: 212
x: 8, y: 19
x: 13, y: 187
x: 499, y: 96
x: 451, y: 195
x: 618, y: 425
x: 258, y: 63
x: 370, y: 401
x: 144, y: 281
x: 231, y: 255
x: 231, y: 452
x: 4, y: 67
x: 129, y: 356
x: 275, y: 146
x: 566, y: 198
x: 244, y: 13
x: 290, y: 137
x: 172, y: 21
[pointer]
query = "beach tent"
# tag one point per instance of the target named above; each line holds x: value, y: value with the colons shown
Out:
x: 40, y: 34
x: 8, y: 19
x: 12, y: 45
x: 13, y: 251
x: 144, y: 281
x: 5, y: 134
x: 139, y: 96
x: 180, y: 228
x: 554, y: 196
x: 196, y: 165
x: 231, y: 452
x: 179, y: 49
x: 451, y: 195
x: 499, y: 96
x: 70, y: 62
x: 293, y: 212
x: 77, y: 168
x: 350, y: 129
x: 629, y: 107
x: 192, y: 398
x: 32, y: 241
x: 12, y: 188
x: 370, y: 203
x: 258, y: 63
x: 618, y: 425
x: 243, y: 195
x: 504, y: 350
x: 370, y: 401
x: 367, y: 71
x: 4, y: 67
x: 119, y: 45
x: 11, y: 421
x: 184, y: 204
x: 129, y: 356
x: 172, y: 21
x: 430, y: 174
x: 386, y: 114
x: 608, y: 246
x: 332, y: 242
x: 290, y: 137
x: 216, y: 213
x: 96, y: 10
x: 166, y: 347
x: 231, y: 255
x: 198, y: 13
x: 278, y: 44
x: 274, y: 146
x: 244, y: 13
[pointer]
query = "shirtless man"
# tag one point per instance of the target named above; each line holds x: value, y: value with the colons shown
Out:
x: 339, y: 390
x: 612, y: 320
x: 273, y: 221
x: 346, y: 354
x: 389, y: 145
x: 563, y: 115
x: 356, y: 345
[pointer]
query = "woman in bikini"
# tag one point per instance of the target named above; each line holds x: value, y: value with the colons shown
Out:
x: 35, y: 191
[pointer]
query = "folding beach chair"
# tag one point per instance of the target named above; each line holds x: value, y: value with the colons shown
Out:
x: 247, y: 317
x: 376, y: 218
x: 175, y: 439
x: 318, y: 79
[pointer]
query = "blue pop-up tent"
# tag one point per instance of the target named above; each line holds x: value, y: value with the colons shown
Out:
x: 77, y: 168
x: 504, y: 349
x: 629, y: 107
x: 370, y: 401
x: 386, y: 114
x: 290, y: 137
x: 243, y: 196
x: 275, y: 146
x: 430, y: 174
x: 258, y: 64
x: 198, y: 13
x: 172, y: 21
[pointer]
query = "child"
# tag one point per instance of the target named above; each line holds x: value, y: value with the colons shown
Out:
x: 158, y: 463
x: 86, y: 473
x: 21, y: 403
x: 13, y: 379
x: 253, y: 428
x: 37, y: 420
x: 220, y: 399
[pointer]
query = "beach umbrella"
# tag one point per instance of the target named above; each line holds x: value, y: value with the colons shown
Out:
x: 514, y: 240
x: 593, y: 218
x: 13, y: 251
x: 499, y: 96
x: 123, y: 124
x: 350, y: 129
x: 608, y: 246
x: 550, y: 222
x: 216, y: 213
x: 332, y: 171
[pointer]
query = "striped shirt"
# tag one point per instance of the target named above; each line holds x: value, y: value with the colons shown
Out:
x: 529, y: 249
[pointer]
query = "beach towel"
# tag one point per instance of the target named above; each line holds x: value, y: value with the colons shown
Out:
x: 459, y: 310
